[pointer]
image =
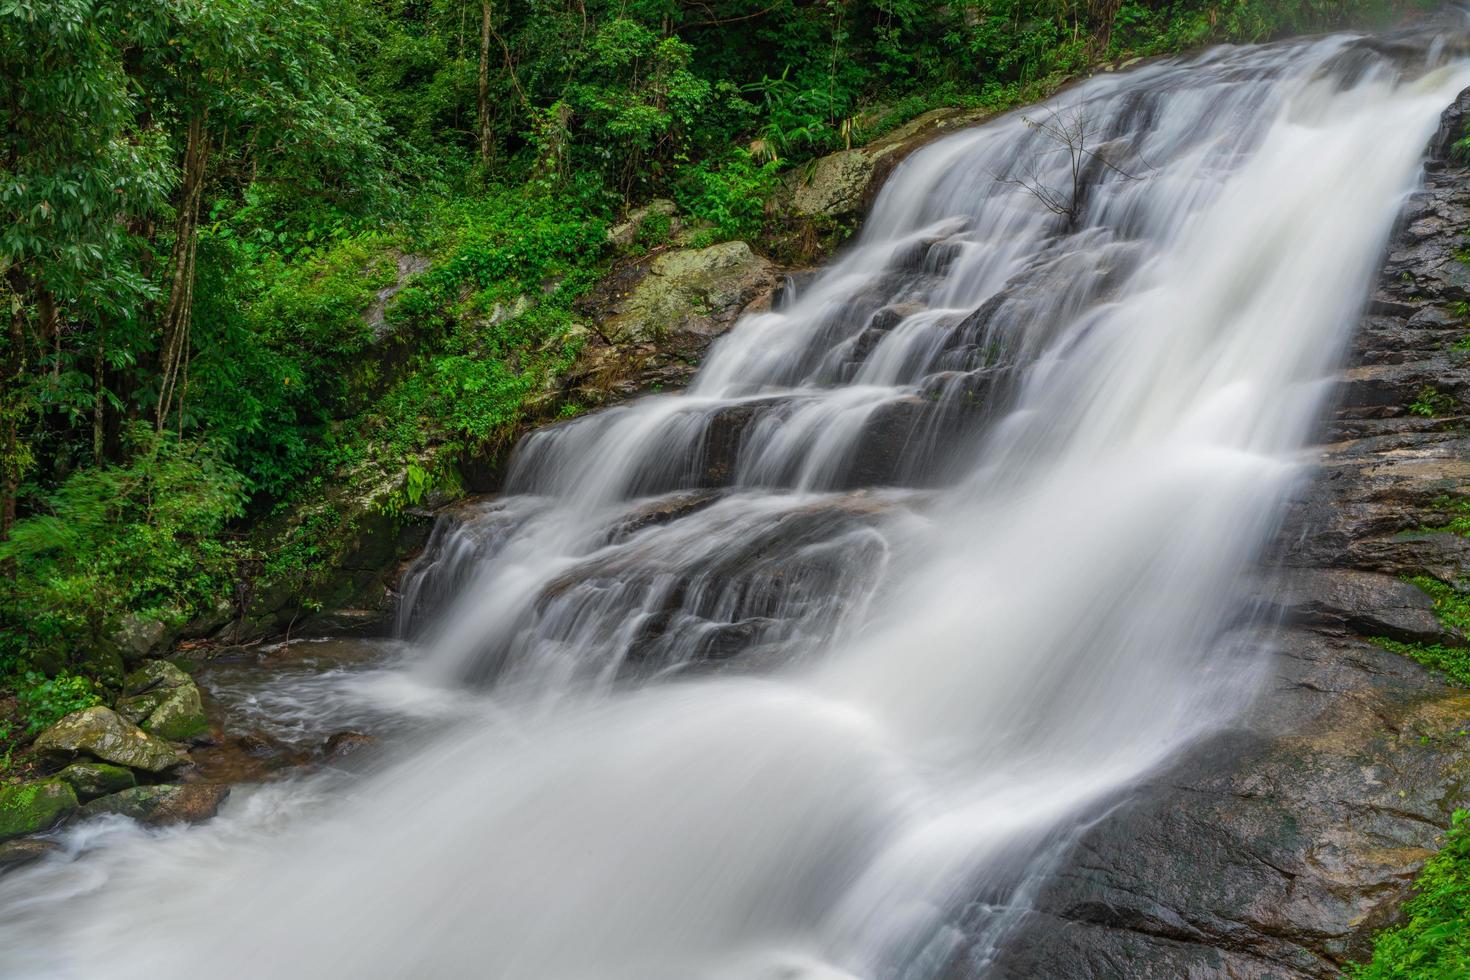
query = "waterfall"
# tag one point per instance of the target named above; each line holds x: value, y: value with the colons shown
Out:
x: 773, y: 677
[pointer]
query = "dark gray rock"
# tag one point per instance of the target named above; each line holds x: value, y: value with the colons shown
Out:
x: 159, y: 806
x: 1278, y: 849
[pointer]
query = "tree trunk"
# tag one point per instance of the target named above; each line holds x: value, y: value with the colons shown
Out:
x: 173, y: 351
x: 483, y: 118
x: 99, y: 397
x: 12, y: 455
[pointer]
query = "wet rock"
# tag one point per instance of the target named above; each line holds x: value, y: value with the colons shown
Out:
x: 683, y: 289
x: 1365, y: 603
x: 17, y: 853
x: 93, y: 779
x: 164, y: 701
x: 159, y: 806
x: 343, y: 622
x: 343, y: 744
x: 102, y: 734
x: 32, y: 807
x: 1277, y: 850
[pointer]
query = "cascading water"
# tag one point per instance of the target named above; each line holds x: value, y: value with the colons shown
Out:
x: 1096, y: 414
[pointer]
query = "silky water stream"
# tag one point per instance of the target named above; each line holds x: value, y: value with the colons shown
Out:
x: 773, y: 678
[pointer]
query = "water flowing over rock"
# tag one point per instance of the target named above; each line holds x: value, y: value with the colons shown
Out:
x: 920, y: 637
x: 160, y: 806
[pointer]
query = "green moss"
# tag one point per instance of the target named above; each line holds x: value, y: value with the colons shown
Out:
x: 1453, y: 662
x: 33, y: 807
x: 1452, y: 607
x: 1434, y: 941
x: 1459, y: 522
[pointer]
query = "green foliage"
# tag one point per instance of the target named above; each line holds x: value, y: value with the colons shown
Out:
x: 1433, y: 943
x: 1432, y: 403
x: 730, y: 195
x: 46, y: 700
x: 1452, y: 607
x: 1459, y: 509
x: 116, y: 539
x: 1452, y: 662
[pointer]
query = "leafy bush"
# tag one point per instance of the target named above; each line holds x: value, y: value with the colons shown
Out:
x: 141, y: 537
x: 45, y: 701
x: 730, y: 195
x: 1434, y: 941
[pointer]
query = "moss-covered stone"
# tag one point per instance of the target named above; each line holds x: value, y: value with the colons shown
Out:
x: 180, y: 717
x: 101, y: 733
x: 684, y: 288
x: 164, y: 701
x: 135, y: 637
x: 161, y: 805
x: 93, y: 779
x: 32, y: 807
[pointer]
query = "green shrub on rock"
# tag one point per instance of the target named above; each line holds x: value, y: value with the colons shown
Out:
x: 1434, y: 941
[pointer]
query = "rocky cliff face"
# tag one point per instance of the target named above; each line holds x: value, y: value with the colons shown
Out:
x: 1277, y: 849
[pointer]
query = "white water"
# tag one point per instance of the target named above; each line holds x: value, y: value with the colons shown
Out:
x: 965, y: 672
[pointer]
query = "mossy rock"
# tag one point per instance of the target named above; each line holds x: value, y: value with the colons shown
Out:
x: 180, y: 717
x: 105, y: 664
x: 161, y: 805
x: 164, y: 701
x: 93, y: 779
x: 102, y: 734
x: 135, y: 637
x: 33, y: 807
x: 687, y: 291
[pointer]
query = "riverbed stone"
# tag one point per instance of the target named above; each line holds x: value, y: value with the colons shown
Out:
x: 93, y: 779
x: 32, y: 807
x: 164, y: 701
x: 102, y: 734
x: 159, y: 806
x: 24, y: 850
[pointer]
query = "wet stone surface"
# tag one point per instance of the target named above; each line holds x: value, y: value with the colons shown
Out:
x: 1276, y: 850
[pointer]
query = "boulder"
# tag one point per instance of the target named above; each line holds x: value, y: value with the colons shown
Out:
x: 164, y: 701
x: 29, y: 808
x: 219, y: 615
x: 90, y: 780
x: 841, y: 185
x: 102, y: 734
x: 626, y: 233
x: 159, y: 806
x: 343, y: 744
x: 136, y: 637
x: 685, y: 291
x: 15, y: 853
